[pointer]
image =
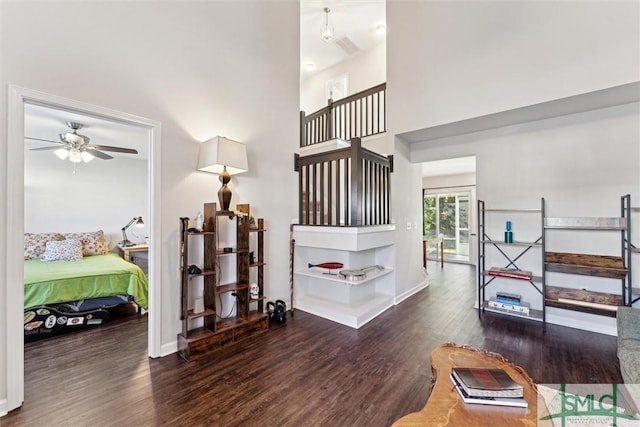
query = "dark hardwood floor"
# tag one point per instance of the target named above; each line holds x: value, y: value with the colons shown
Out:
x: 308, y: 372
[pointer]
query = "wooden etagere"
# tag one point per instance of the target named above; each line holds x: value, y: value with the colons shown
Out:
x: 593, y: 265
x: 248, y: 317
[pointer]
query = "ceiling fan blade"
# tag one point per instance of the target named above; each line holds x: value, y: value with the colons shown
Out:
x: 45, y: 148
x: 44, y: 140
x: 99, y: 154
x: 114, y: 149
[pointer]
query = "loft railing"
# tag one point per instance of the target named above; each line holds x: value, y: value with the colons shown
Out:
x: 356, y: 116
x: 344, y: 187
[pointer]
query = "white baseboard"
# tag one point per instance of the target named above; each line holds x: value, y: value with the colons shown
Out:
x: 406, y: 294
x: 3, y: 408
x: 169, y: 348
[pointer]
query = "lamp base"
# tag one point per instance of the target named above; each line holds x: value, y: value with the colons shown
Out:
x: 126, y: 243
x: 224, y: 197
x: 224, y: 193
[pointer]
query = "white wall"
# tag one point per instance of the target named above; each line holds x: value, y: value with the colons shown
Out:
x: 448, y: 181
x: 448, y: 61
x: 581, y: 164
x: 101, y: 195
x: 365, y: 70
x: 201, y: 69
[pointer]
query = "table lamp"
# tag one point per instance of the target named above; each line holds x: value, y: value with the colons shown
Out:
x: 225, y: 157
x: 125, y: 241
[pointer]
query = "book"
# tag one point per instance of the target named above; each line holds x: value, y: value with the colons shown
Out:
x: 508, y: 296
x: 499, y: 401
x: 487, y: 382
x: 512, y: 273
x: 508, y: 301
x: 522, y: 308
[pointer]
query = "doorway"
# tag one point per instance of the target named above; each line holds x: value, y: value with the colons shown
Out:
x: 18, y: 97
x: 446, y: 225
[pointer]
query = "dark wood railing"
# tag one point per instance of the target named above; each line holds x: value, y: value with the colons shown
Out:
x: 344, y: 187
x: 357, y: 116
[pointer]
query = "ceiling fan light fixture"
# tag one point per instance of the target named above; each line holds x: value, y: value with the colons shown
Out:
x: 73, y: 138
x: 62, y: 153
x: 381, y: 30
x: 75, y: 156
x: 326, y: 33
x: 86, y: 156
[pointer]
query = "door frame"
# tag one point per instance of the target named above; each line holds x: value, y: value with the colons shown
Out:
x: 14, y: 283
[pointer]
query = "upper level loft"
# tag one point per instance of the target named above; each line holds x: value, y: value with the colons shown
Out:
x: 356, y: 116
x: 341, y: 183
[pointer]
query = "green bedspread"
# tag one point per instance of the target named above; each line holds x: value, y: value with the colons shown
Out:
x: 93, y: 277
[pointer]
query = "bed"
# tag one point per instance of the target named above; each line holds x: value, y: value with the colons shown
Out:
x: 65, y: 289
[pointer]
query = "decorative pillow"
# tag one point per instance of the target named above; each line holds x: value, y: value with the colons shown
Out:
x: 62, y: 250
x: 35, y: 243
x: 93, y: 243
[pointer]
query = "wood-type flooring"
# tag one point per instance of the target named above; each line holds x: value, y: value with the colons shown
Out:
x: 307, y: 372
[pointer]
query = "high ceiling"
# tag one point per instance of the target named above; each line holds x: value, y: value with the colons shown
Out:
x: 354, y: 23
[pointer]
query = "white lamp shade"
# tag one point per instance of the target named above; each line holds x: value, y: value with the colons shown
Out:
x: 219, y: 152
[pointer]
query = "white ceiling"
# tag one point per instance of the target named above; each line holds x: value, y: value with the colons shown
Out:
x: 354, y: 23
x: 45, y: 122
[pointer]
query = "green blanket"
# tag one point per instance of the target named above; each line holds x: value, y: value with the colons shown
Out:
x: 93, y: 277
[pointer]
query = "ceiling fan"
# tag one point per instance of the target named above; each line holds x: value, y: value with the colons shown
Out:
x: 77, y: 149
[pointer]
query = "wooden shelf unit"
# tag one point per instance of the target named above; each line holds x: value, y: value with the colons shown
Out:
x: 214, y: 331
x: 602, y: 266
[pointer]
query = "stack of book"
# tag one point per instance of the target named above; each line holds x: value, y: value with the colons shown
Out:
x: 509, y: 302
x: 512, y: 273
x: 487, y: 386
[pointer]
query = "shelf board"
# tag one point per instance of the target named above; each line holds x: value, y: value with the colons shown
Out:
x: 370, y: 275
x: 533, y: 313
x: 220, y: 252
x: 636, y: 250
x: 197, y: 334
x: 257, y: 264
x: 585, y: 223
x: 585, y: 264
x: 254, y: 315
x: 515, y: 243
x: 230, y: 214
x: 204, y: 273
x: 201, y: 233
x: 207, y: 312
x: 230, y: 323
x: 230, y: 287
x: 512, y: 210
x: 257, y: 230
x: 581, y: 300
x: 537, y: 279
x: 262, y: 298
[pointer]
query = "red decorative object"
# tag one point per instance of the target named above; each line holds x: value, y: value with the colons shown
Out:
x: 328, y: 265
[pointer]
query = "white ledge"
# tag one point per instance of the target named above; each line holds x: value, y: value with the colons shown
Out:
x: 345, y: 238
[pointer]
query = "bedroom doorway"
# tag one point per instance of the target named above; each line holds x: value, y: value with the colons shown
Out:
x: 19, y: 100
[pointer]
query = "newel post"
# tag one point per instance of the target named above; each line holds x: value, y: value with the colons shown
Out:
x: 303, y: 127
x: 356, y: 183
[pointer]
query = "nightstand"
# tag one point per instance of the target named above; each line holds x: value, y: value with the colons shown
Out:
x: 132, y: 252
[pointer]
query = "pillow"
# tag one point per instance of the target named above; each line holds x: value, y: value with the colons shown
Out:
x: 93, y: 243
x: 35, y: 243
x: 62, y: 250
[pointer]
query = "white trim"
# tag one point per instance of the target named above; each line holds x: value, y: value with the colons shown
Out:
x: 406, y: 294
x: 17, y: 96
x: 169, y: 348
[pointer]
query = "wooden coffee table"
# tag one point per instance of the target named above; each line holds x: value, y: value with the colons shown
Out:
x: 444, y: 406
